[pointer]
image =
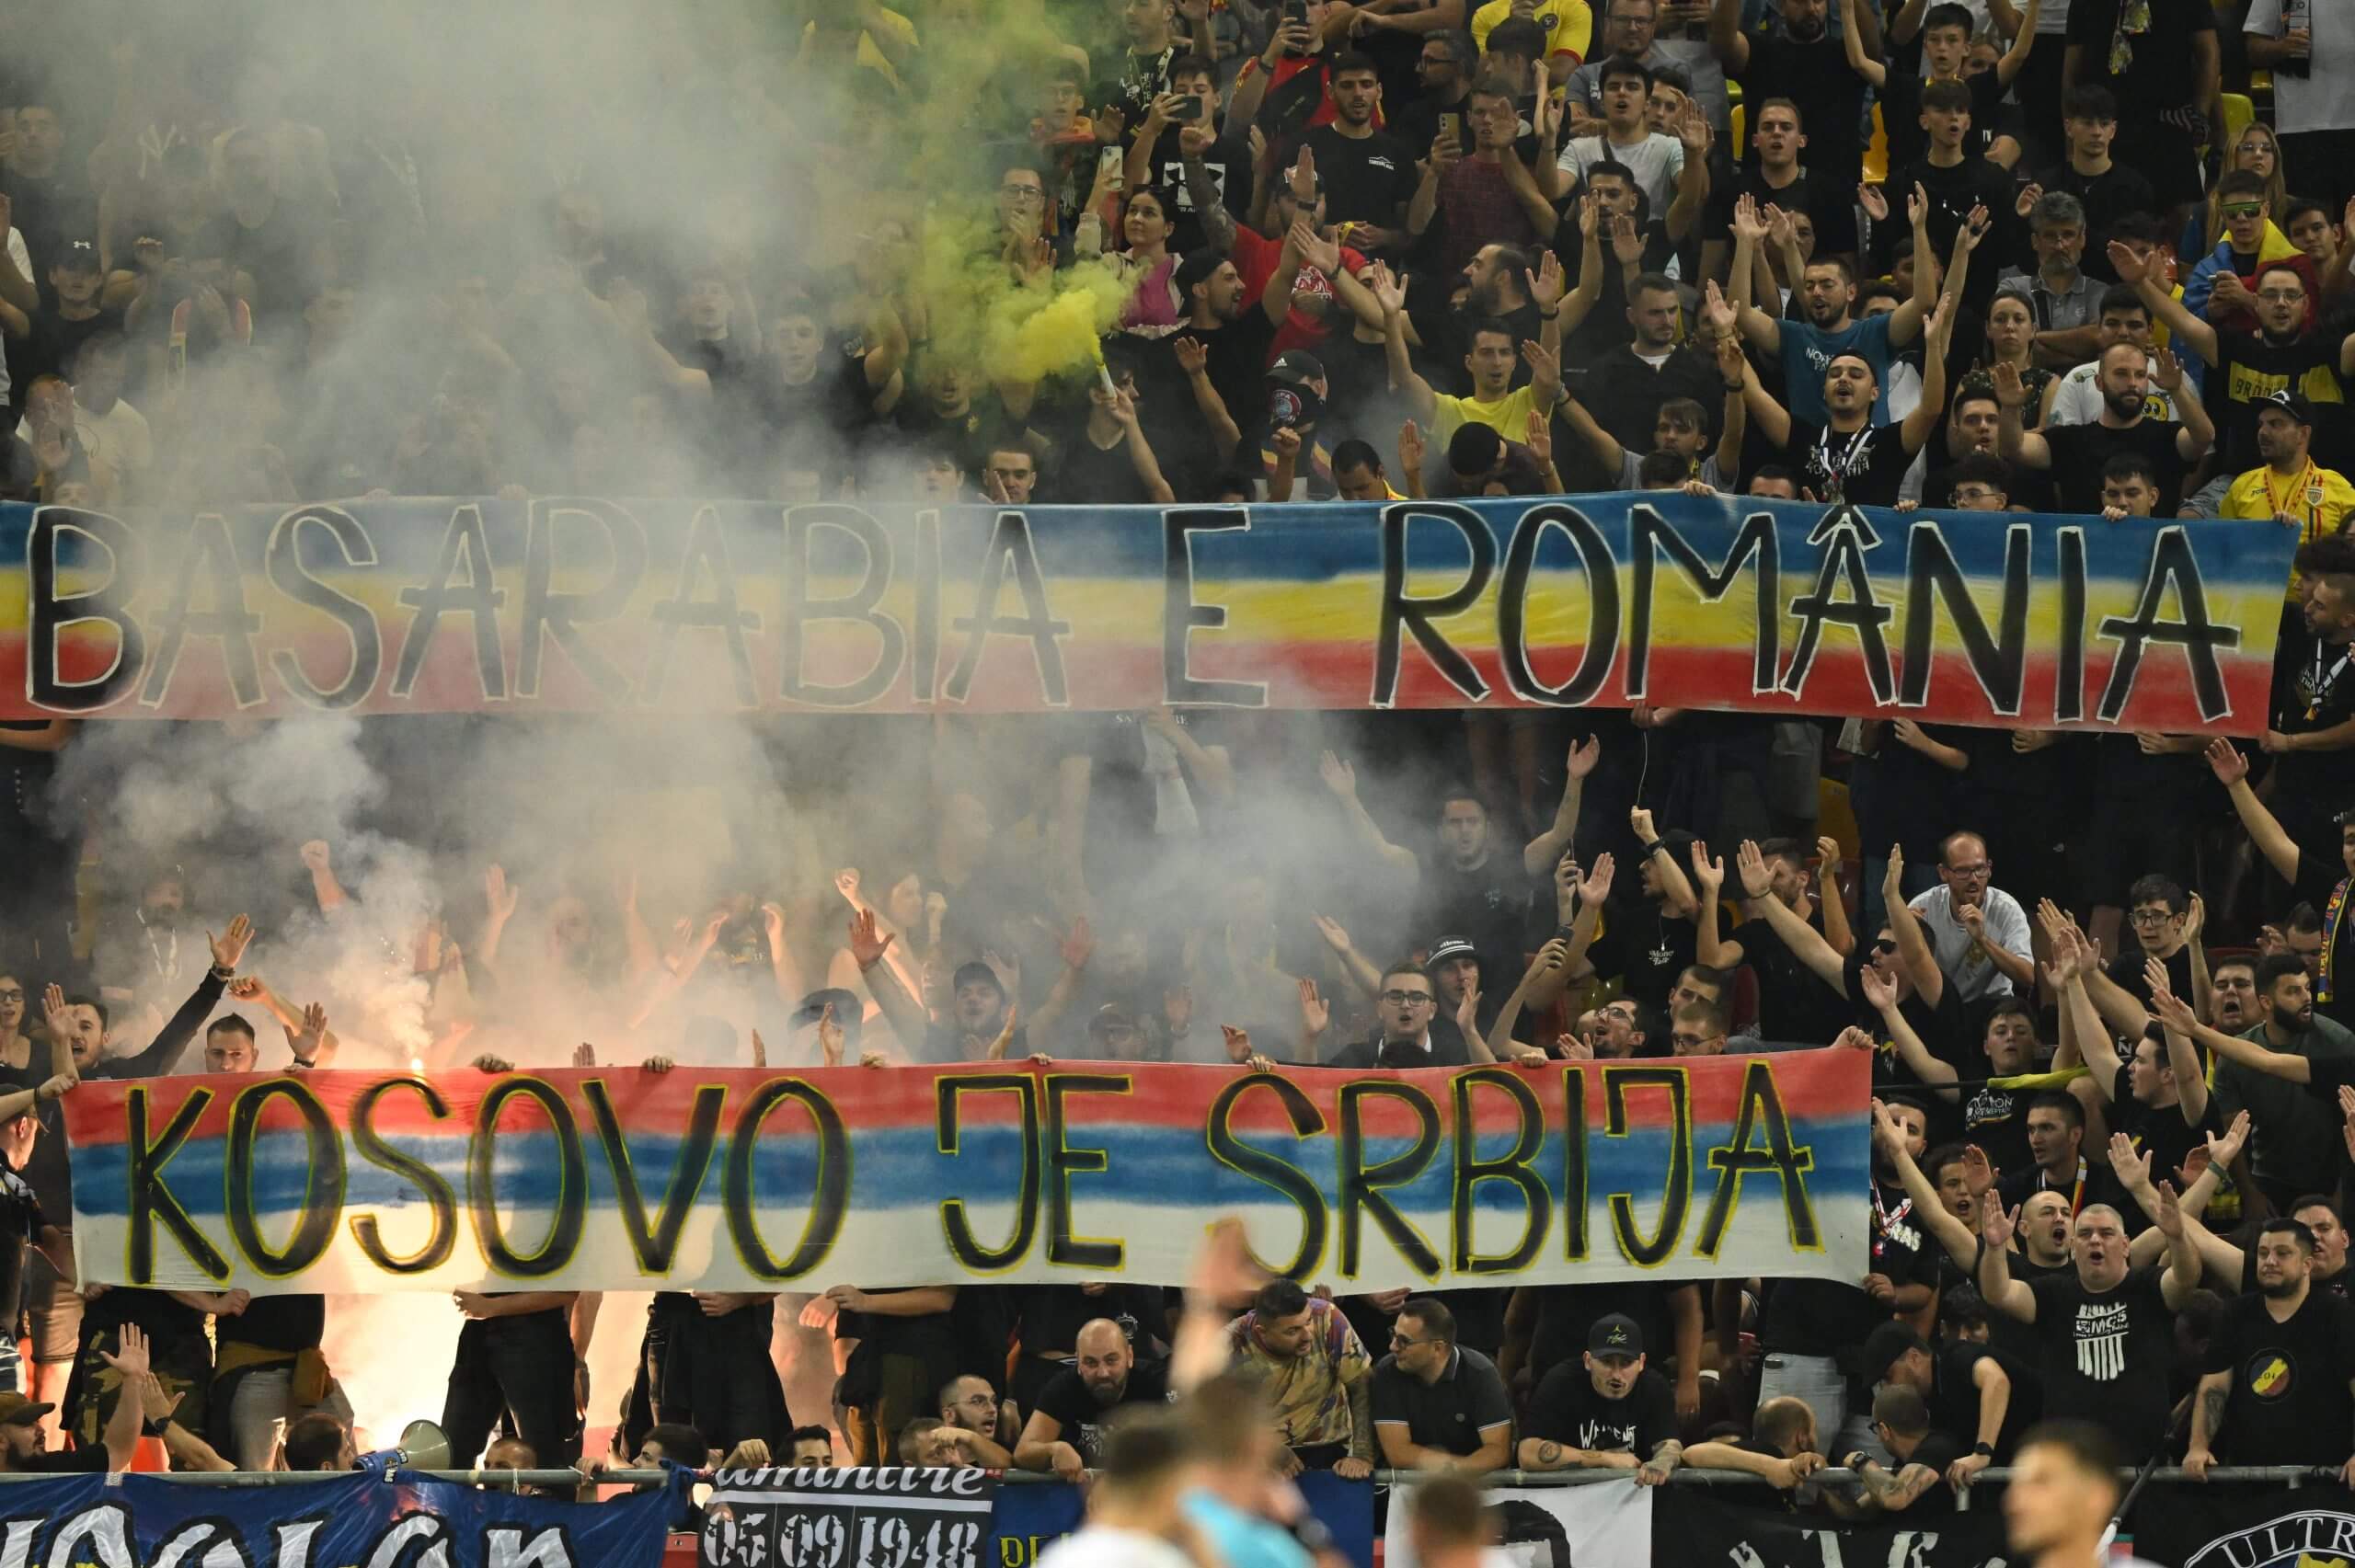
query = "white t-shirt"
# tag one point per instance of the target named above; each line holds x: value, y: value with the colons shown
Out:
x: 1656, y: 161
x: 1101, y: 1546
x: 2077, y: 401
x: 2006, y: 926
x: 2325, y: 99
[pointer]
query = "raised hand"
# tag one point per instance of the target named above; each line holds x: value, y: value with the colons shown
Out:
x: 1538, y: 434
x: 1827, y: 860
x: 1750, y: 863
x: 1338, y: 776
x: 2132, y: 1168
x: 130, y: 1356
x: 1976, y: 1173
x: 1316, y: 1012
x: 2030, y: 194
x: 1627, y: 241
x: 1747, y: 224
x: 1584, y: 757
x: 585, y: 1055
x: 498, y: 896
x: 2129, y: 265
x: 1335, y: 935
x: 866, y: 946
x: 1707, y: 872
x: 1545, y: 284
x: 316, y: 856
x: 2224, y: 759
x: 1545, y: 364
x: 1238, y: 1043
x: 1193, y: 355
x: 2195, y: 919
x: 2011, y: 392
x: 230, y: 947
x: 2166, y: 370
x: 1594, y: 887
x: 1873, y: 199
x: 1410, y: 449
x: 1999, y: 1224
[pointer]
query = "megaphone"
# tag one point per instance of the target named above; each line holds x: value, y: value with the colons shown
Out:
x: 423, y: 1447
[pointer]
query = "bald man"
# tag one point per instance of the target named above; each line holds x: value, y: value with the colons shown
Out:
x: 1065, y: 1433
x: 2105, y: 1330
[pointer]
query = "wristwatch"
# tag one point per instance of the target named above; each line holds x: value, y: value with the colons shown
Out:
x: 1984, y: 1450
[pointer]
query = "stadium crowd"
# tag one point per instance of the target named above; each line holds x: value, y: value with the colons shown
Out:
x: 1960, y: 255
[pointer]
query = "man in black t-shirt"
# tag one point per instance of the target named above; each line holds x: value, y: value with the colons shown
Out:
x: 1921, y: 1458
x: 1369, y: 174
x: 1065, y: 1433
x: 1851, y: 459
x: 1225, y: 159
x: 1805, y: 61
x: 1610, y: 1412
x: 2104, y: 1332
x: 2279, y: 1384
x: 1793, y: 1006
x: 2076, y: 454
x: 1967, y: 1390
x: 1433, y: 1399
x: 2164, y: 71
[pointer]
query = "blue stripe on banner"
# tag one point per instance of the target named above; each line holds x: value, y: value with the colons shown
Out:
x: 903, y: 1168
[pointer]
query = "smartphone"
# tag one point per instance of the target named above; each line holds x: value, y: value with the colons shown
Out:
x: 1452, y: 125
x: 1186, y: 110
x: 1297, y: 12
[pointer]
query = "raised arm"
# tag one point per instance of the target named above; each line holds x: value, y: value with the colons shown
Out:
x: 2023, y: 39
x: 1806, y: 945
x: 1542, y: 853
x: 1912, y: 947
x: 1391, y: 293
x: 1958, y: 1239
x: 2198, y: 432
x: 2265, y: 829
x: 2014, y: 440
x: 1341, y: 779
x: 2135, y: 270
x: 1676, y: 892
x: 1764, y: 331
x: 1928, y: 412
x: 1709, y: 878
x: 1851, y: 36
x: 1996, y: 1287
x: 1880, y: 993
x: 1726, y: 37
x: 1693, y: 179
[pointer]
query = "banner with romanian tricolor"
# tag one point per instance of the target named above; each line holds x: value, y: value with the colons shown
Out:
x: 1661, y: 598
x: 743, y: 1179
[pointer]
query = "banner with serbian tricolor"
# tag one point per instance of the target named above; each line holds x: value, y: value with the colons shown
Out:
x: 1661, y: 598
x: 1004, y: 1173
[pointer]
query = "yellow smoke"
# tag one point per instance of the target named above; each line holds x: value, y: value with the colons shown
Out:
x: 985, y: 320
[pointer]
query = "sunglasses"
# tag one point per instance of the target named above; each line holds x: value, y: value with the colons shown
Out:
x: 1885, y: 946
x: 2242, y: 209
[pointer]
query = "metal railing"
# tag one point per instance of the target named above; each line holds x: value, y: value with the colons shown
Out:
x: 2286, y: 1475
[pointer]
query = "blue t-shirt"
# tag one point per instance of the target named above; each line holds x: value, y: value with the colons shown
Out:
x: 1242, y: 1540
x: 1808, y: 352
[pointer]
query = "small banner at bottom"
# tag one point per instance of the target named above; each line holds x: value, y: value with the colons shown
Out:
x: 119, y: 1520
x: 892, y: 1516
x: 2224, y: 1526
x: 1693, y: 1526
x: 1030, y: 1519
x: 1603, y: 1524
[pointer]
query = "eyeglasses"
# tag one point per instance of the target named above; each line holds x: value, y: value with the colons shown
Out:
x: 1968, y: 872
x: 12, y: 994
x: 1023, y: 193
x: 2149, y: 917
x: 1692, y: 1042
x: 1400, y: 1342
x: 1407, y: 998
x: 2282, y: 296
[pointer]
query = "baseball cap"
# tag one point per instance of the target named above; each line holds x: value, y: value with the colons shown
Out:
x: 1448, y: 947
x: 1199, y: 265
x: 2290, y: 403
x: 16, y: 1410
x: 973, y: 971
x: 1297, y: 367
x: 1884, y: 1346
x: 1614, y: 1334
x: 1109, y: 1017
x: 80, y: 255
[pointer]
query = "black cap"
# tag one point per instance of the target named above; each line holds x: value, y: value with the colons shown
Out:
x: 1197, y: 265
x: 1109, y: 1017
x: 971, y: 971
x: 1884, y: 1346
x: 80, y: 255
x: 2290, y: 403
x: 1448, y: 948
x: 1297, y: 367
x: 1614, y: 1334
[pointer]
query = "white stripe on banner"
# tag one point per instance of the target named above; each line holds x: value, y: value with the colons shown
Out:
x: 1606, y: 1524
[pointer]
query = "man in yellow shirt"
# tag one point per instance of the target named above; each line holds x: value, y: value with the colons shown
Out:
x: 1495, y: 401
x: 2291, y: 487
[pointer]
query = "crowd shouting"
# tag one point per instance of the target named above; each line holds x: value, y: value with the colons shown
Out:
x: 1335, y: 251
